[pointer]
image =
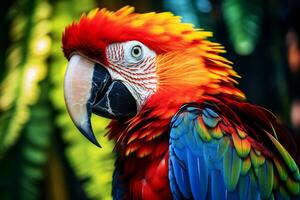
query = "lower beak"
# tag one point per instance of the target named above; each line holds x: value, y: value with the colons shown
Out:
x: 88, y: 88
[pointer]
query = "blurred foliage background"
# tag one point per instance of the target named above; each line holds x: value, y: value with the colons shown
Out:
x: 43, y: 156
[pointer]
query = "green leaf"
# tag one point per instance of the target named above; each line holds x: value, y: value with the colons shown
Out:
x: 243, y: 20
x: 20, y: 87
x: 90, y: 163
x: 23, y: 99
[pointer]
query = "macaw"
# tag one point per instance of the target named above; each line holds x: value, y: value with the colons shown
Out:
x: 182, y: 129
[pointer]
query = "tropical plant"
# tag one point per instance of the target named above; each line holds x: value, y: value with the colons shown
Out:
x: 38, y: 141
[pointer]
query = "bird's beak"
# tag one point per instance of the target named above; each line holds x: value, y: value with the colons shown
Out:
x: 88, y: 87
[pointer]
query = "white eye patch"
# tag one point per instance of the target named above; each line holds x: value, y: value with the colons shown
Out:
x: 135, y: 51
x: 133, y: 63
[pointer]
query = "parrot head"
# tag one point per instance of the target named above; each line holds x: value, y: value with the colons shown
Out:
x: 119, y: 61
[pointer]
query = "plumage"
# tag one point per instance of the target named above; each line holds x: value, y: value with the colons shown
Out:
x: 242, y: 175
x: 193, y: 135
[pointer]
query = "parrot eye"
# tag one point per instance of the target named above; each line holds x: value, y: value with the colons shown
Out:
x: 136, y: 51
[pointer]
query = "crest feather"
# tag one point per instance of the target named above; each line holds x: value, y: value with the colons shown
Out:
x: 192, y: 60
x: 160, y: 31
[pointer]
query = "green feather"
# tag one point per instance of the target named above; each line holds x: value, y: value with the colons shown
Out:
x: 284, y: 193
x: 232, y: 167
x: 216, y: 132
x: 241, y: 133
x: 242, y: 146
x: 272, y: 197
x: 202, y: 130
x: 281, y: 170
x: 265, y: 176
x: 293, y: 186
x: 252, y: 178
x: 242, y: 186
x: 286, y: 156
x: 246, y: 164
x: 223, y: 147
x: 256, y: 160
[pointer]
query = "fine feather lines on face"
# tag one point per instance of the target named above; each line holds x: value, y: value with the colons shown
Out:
x: 134, y: 64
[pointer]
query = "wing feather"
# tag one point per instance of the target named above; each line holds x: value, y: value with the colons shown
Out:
x: 214, y: 157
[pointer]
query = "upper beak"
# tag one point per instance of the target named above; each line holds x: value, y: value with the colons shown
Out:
x: 88, y: 87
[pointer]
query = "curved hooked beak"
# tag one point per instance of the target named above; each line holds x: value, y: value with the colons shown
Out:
x: 88, y: 87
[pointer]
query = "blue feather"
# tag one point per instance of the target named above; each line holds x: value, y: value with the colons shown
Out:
x: 209, y: 113
x: 233, y: 195
x: 173, y: 186
x: 118, y: 189
x: 181, y: 177
x: 198, y: 176
x: 218, y: 189
x: 198, y: 167
x: 176, y: 120
x: 210, y: 122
